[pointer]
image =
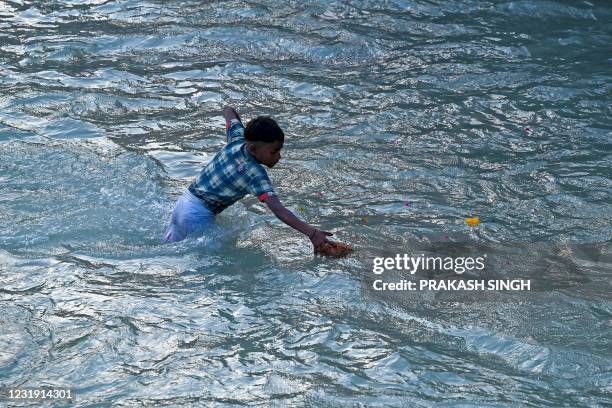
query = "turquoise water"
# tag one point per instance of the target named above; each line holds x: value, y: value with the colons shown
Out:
x: 402, y: 118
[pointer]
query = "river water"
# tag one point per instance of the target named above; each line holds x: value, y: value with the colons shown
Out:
x: 402, y: 119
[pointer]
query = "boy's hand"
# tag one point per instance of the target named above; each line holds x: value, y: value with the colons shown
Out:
x: 230, y: 113
x: 319, y: 239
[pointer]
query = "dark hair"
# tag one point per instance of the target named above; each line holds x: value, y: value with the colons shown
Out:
x: 263, y: 129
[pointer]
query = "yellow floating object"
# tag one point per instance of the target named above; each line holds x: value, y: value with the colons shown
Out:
x: 472, y: 221
x: 364, y: 220
x: 301, y: 208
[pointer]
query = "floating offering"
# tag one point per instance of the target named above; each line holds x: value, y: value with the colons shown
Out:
x: 472, y: 221
x: 334, y: 248
x: 301, y: 208
x: 364, y: 220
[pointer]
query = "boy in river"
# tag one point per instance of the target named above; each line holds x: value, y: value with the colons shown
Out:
x: 235, y: 171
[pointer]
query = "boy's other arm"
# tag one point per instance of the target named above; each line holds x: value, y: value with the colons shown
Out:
x: 232, y: 133
x: 317, y: 237
x: 230, y: 113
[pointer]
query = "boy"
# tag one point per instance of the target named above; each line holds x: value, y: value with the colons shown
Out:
x: 233, y: 172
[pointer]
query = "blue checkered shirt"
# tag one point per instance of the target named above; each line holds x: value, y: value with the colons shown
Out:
x: 231, y: 174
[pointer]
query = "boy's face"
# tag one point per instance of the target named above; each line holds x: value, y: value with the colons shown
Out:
x: 267, y: 154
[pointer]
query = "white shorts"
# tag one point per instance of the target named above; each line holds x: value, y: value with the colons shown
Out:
x: 190, y: 217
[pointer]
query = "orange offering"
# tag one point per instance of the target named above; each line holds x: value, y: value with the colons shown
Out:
x: 334, y: 248
x: 472, y: 221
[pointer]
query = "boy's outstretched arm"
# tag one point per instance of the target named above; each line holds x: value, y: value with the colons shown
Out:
x: 317, y: 237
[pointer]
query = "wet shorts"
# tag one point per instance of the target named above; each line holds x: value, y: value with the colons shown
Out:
x: 190, y: 217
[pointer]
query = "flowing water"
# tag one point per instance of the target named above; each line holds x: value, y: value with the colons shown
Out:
x: 402, y: 118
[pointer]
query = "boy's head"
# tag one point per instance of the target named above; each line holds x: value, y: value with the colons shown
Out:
x: 264, y: 140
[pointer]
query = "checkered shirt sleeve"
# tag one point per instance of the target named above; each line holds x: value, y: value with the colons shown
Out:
x: 235, y: 131
x: 259, y: 183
